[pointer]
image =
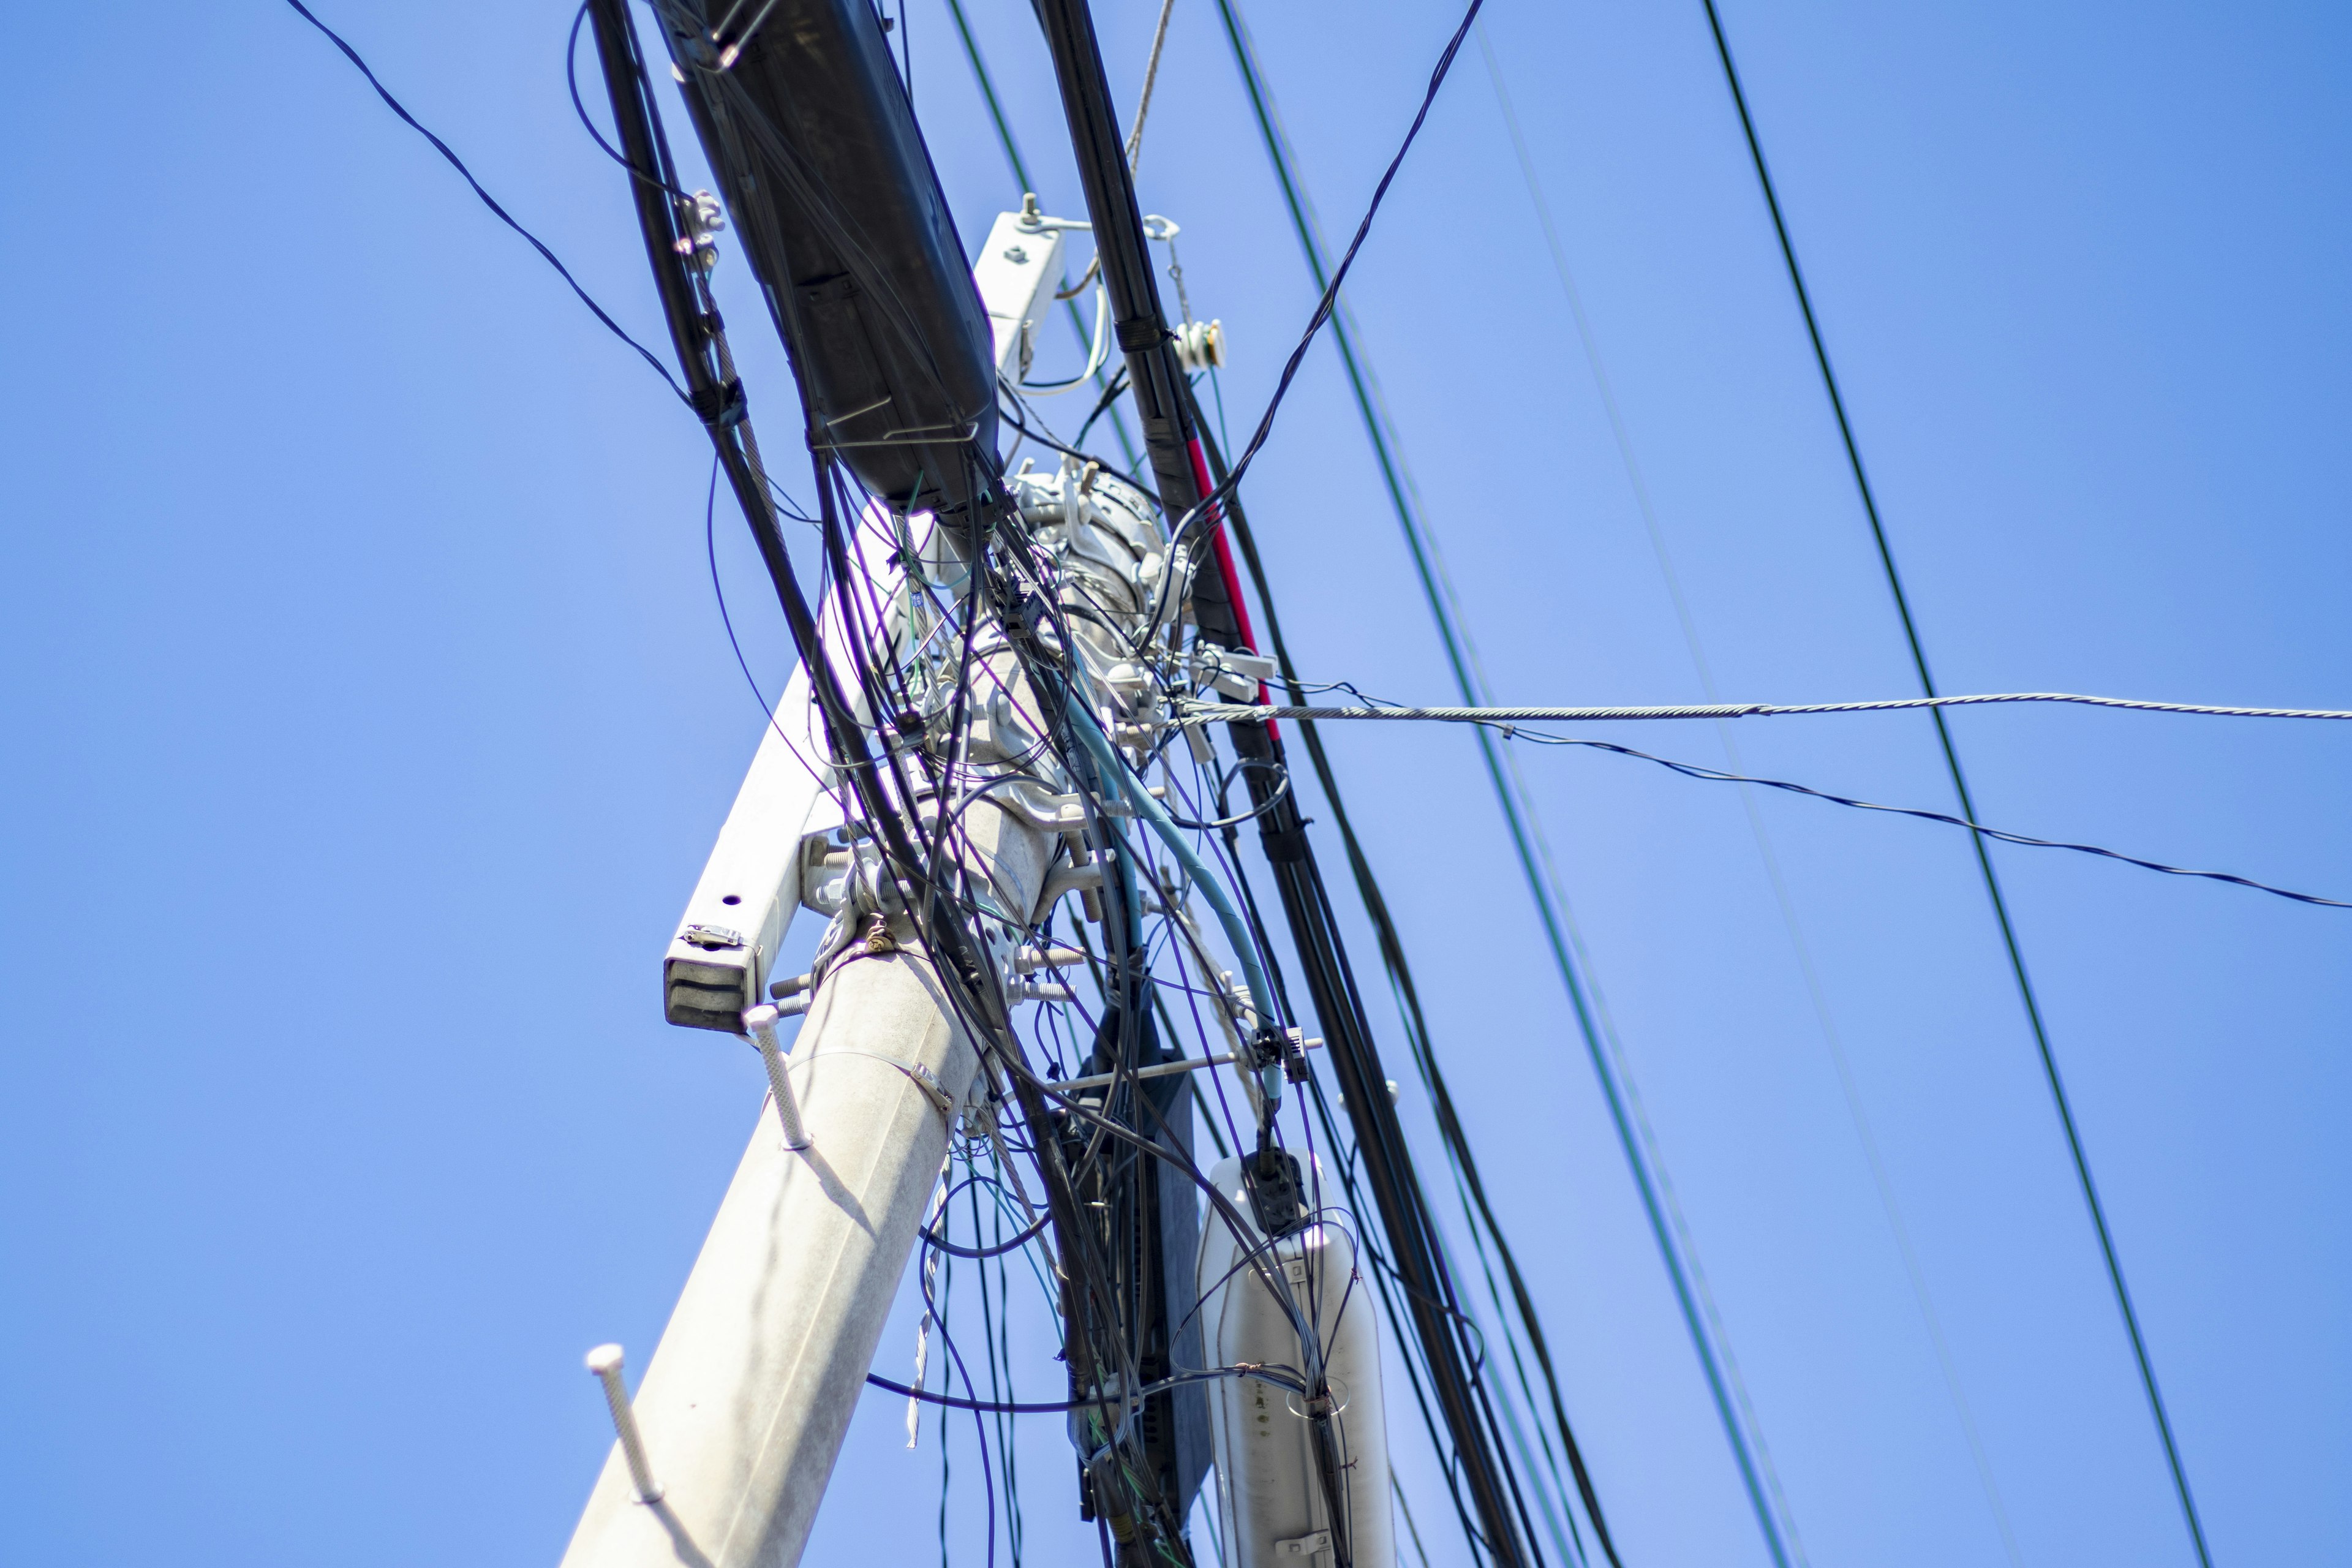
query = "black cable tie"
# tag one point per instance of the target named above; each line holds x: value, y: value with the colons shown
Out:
x: 721, y: 406
x: 1139, y: 334
x: 1286, y: 845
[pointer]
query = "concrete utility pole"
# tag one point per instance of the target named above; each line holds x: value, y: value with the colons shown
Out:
x: 981, y: 691
x: 743, y: 1406
x: 745, y: 1401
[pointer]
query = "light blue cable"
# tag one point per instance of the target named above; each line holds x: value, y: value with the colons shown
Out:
x: 1117, y: 775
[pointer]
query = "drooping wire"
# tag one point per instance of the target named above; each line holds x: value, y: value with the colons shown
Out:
x: 1208, y: 713
x: 1619, y: 1091
x: 1967, y: 808
x: 1509, y: 722
x: 489, y: 200
x: 1716, y: 776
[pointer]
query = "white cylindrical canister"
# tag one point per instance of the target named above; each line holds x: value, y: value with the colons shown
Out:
x: 1270, y: 1497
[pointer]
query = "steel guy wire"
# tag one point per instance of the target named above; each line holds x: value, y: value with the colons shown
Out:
x: 1021, y: 177
x: 1228, y: 713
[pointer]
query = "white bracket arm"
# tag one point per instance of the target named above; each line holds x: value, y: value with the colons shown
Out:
x: 726, y: 942
x: 1017, y: 273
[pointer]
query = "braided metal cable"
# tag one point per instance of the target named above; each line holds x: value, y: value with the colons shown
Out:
x: 1226, y: 712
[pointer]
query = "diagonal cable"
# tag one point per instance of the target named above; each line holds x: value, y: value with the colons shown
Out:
x: 1967, y: 808
x: 1617, y: 1091
x: 489, y: 200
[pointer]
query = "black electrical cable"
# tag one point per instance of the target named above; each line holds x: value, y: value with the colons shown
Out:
x: 987, y: 1471
x: 1049, y: 443
x: 1716, y: 776
x: 1967, y: 809
x: 571, y: 80
x: 1328, y: 303
x: 1392, y: 955
x: 1225, y: 782
x: 488, y: 200
x: 932, y: 1238
x: 1061, y: 1407
x: 1712, y: 1363
x: 1106, y: 404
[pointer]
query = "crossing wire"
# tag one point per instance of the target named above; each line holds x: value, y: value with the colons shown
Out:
x: 1631, y: 1128
x: 1833, y: 1041
x: 1961, y: 787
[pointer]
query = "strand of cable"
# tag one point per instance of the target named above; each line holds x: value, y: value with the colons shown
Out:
x: 1231, y: 712
x: 1588, y: 340
x: 1645, y: 1160
x: 571, y: 80
x: 1328, y: 303
x: 489, y: 201
x: 937, y: 1310
x: 1134, y: 138
x: 1460, y: 1159
x: 1961, y: 788
x: 1716, y: 776
x: 1506, y: 720
x: 1064, y: 1406
x: 1150, y: 79
x: 1020, y: 168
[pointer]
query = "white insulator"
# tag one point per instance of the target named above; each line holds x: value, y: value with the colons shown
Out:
x: 1031, y: 959
x: 761, y: 1022
x: 1270, y: 1496
x: 1201, y: 344
x: 604, y: 1360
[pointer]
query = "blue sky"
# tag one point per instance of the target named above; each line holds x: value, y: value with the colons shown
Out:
x: 371, y: 717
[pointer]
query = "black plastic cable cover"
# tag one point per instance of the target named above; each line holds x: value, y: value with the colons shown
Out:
x: 840, y: 214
